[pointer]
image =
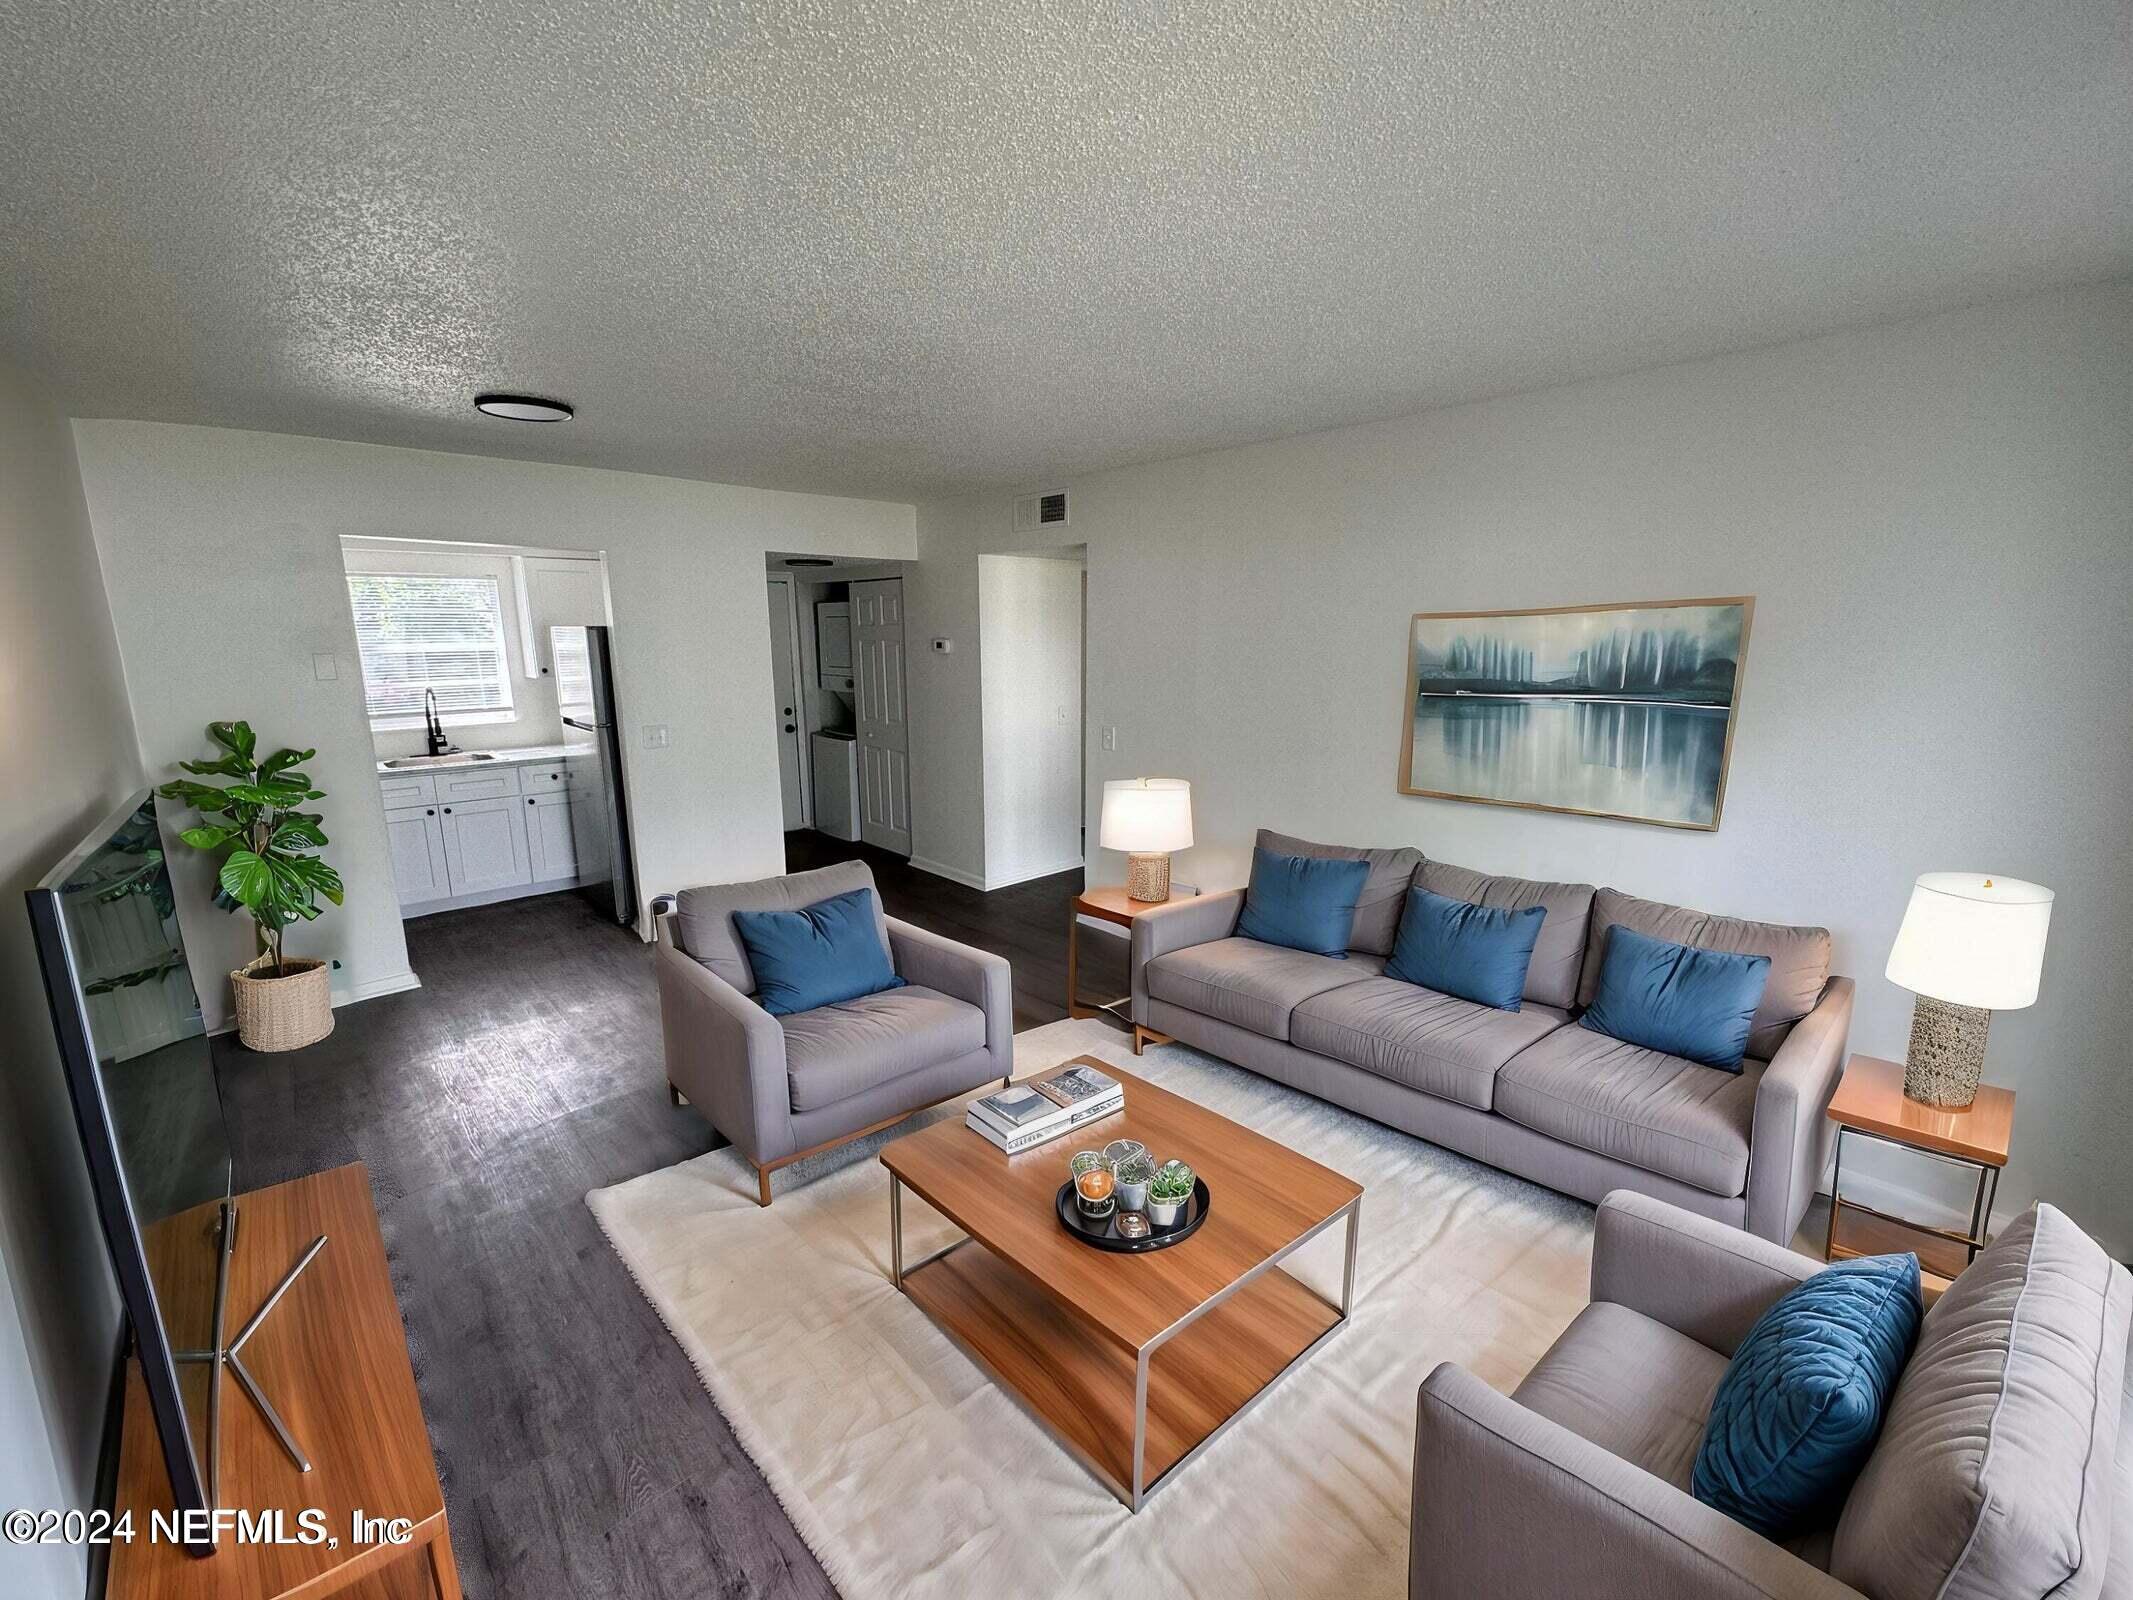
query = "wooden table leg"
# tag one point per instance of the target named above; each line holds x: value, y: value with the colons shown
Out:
x: 444, y: 1566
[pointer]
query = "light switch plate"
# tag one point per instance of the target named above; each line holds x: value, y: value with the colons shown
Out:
x: 1110, y: 737
x: 655, y: 736
x: 323, y: 667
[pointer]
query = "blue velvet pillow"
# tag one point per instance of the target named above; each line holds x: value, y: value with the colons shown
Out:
x: 1797, y: 1412
x: 816, y: 956
x: 1479, y: 953
x: 1677, y: 998
x: 1304, y: 902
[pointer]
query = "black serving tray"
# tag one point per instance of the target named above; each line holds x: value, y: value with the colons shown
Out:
x: 1101, y: 1233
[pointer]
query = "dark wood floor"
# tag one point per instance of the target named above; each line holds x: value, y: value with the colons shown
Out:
x: 581, y: 1456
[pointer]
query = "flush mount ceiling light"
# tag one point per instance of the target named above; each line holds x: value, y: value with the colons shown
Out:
x: 522, y: 408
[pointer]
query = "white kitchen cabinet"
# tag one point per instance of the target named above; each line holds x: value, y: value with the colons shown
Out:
x: 548, y: 838
x: 415, y: 837
x: 485, y: 845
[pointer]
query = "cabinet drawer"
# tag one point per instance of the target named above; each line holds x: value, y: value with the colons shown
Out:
x: 543, y: 777
x: 486, y: 783
x: 413, y: 789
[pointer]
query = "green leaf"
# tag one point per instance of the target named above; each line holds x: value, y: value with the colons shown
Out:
x: 283, y: 760
x: 296, y: 831
x: 277, y: 795
x: 248, y: 879
x: 211, y: 837
x: 226, y: 767
x: 235, y: 737
x: 201, y: 796
x: 316, y: 875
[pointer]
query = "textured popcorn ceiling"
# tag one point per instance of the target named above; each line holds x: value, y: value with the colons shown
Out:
x: 892, y: 249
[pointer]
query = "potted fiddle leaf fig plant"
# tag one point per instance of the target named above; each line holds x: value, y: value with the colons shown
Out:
x: 269, y: 871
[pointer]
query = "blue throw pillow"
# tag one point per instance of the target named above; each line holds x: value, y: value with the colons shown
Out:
x: 816, y: 956
x: 1479, y: 953
x: 1797, y: 1412
x: 1304, y: 902
x: 1677, y: 998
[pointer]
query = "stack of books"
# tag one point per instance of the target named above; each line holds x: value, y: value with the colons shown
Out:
x: 1028, y: 1114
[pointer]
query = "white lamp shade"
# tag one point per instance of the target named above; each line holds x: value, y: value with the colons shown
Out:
x: 1146, y: 815
x: 1973, y: 940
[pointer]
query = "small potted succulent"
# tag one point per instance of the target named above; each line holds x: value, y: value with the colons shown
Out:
x: 1167, y: 1193
x: 1135, y: 1174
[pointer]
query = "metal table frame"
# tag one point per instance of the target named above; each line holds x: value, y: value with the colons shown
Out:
x: 1133, y: 1496
x: 1988, y: 1190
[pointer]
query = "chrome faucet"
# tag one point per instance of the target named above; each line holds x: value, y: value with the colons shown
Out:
x: 433, y: 729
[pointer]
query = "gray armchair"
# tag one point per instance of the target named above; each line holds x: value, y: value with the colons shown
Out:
x: 781, y: 1088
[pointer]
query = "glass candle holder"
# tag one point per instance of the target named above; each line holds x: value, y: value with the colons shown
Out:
x: 1095, y: 1184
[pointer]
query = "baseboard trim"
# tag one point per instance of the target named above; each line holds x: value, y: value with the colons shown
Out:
x: 397, y: 983
x: 1013, y: 878
x: 941, y: 869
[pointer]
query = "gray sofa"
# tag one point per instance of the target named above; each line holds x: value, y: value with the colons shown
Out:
x: 1528, y: 1091
x: 786, y: 1087
x: 2004, y: 1466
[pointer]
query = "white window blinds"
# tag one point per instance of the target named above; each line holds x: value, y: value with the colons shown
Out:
x: 418, y: 631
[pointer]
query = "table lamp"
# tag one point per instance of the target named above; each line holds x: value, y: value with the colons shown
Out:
x: 1147, y: 818
x: 1970, y: 945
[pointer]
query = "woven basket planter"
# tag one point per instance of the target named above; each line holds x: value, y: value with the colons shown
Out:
x: 284, y: 1013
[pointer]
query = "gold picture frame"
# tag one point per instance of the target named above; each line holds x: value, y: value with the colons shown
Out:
x: 1585, y: 710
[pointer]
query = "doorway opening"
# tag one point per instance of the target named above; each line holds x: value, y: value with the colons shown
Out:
x: 1032, y: 611
x: 839, y: 696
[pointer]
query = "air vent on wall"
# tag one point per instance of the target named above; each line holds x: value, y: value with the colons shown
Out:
x: 1034, y: 511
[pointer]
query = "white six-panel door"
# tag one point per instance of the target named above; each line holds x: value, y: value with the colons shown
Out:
x: 884, y: 720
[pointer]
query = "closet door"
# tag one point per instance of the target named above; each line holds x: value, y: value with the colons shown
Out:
x: 884, y: 723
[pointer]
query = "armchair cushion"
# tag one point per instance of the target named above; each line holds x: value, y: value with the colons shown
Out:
x: 818, y: 955
x: 1994, y: 1473
x: 837, y: 1051
x: 703, y: 916
x: 1631, y: 1385
x: 1803, y: 1398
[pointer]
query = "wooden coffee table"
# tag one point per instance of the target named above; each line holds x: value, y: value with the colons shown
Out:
x: 1073, y: 1332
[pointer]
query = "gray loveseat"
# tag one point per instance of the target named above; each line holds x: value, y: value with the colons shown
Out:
x: 1528, y: 1091
x: 2003, y: 1470
x: 786, y: 1087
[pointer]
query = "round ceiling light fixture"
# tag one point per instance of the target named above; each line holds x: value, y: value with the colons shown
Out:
x: 522, y: 408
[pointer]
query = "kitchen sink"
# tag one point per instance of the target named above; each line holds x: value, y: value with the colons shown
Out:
x: 463, y: 758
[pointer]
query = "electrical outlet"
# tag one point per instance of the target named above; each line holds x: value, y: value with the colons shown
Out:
x: 655, y: 736
x: 1110, y: 737
x: 942, y: 647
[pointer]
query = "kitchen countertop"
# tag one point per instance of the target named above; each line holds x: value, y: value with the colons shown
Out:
x: 500, y: 758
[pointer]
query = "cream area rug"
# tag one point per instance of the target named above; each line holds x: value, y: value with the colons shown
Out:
x: 909, y: 1474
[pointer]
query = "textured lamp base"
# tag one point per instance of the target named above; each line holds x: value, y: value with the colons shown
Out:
x: 1148, y: 877
x: 1947, y: 1054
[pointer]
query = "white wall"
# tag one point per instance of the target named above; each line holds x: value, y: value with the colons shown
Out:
x: 197, y: 525
x: 1935, y: 517
x: 68, y: 756
x: 1030, y: 616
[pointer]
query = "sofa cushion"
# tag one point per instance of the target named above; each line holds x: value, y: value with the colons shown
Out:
x: 1799, y: 957
x: 1304, y: 902
x: 1995, y: 1472
x: 1677, y: 998
x: 1434, y: 1042
x: 1804, y: 1396
x: 835, y: 1052
x: 703, y: 917
x: 1632, y: 1386
x: 817, y: 955
x: 1377, y: 908
x: 1659, y: 1112
x: 1479, y: 953
x: 1552, y: 974
x: 1253, y: 985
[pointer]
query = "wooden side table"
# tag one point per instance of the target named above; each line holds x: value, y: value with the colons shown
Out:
x: 1870, y: 1104
x: 1107, y: 903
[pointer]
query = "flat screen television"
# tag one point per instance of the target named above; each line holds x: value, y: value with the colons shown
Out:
x: 149, y: 1112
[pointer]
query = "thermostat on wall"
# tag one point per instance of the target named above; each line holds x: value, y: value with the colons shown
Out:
x: 942, y: 647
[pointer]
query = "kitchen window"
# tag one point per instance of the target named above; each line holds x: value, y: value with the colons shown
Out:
x: 418, y: 631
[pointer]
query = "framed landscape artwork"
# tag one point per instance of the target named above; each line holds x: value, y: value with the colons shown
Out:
x: 1607, y: 711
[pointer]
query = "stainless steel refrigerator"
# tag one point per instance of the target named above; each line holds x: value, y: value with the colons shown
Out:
x: 592, y: 752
